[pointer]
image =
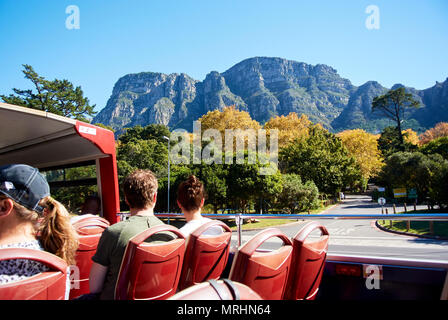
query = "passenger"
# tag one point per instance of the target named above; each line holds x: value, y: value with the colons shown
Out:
x: 140, y: 192
x: 90, y: 208
x: 190, y: 199
x: 26, y: 209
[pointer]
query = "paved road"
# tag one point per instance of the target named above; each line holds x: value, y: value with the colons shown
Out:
x: 362, y: 237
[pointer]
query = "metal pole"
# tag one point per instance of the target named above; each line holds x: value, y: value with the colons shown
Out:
x: 239, y: 220
x: 169, y: 176
x: 168, y: 205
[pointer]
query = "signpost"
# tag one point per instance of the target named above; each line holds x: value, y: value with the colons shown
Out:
x: 382, y: 202
x: 400, y: 193
x: 412, y: 194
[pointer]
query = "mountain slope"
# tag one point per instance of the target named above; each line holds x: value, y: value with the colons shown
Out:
x: 264, y: 87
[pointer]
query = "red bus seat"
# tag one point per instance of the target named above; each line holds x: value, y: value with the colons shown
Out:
x: 50, y: 285
x: 308, y: 261
x: 151, y: 270
x: 217, y: 290
x: 89, y: 230
x: 265, y: 272
x: 205, y: 255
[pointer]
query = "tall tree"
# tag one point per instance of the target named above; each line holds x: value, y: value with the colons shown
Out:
x: 393, y: 104
x: 58, y: 96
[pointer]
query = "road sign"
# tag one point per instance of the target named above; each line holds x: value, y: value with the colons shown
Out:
x: 381, y: 201
x: 412, y: 194
x: 399, y: 193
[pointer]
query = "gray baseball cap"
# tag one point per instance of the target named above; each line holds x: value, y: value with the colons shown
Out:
x: 24, y: 184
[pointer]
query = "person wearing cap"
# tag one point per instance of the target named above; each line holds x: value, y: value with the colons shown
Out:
x: 140, y: 192
x: 27, y: 209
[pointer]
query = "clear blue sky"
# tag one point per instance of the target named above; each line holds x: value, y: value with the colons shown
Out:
x: 195, y: 37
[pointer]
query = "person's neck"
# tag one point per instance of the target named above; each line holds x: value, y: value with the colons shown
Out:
x: 22, y: 232
x: 192, y: 215
x: 141, y: 212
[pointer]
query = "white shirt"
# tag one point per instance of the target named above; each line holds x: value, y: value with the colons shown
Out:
x: 192, y: 225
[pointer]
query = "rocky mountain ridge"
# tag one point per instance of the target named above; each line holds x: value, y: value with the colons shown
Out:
x: 264, y: 87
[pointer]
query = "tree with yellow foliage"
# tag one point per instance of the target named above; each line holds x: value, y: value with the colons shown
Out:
x: 239, y: 124
x: 228, y: 118
x: 410, y: 136
x: 363, y: 147
x: 290, y: 127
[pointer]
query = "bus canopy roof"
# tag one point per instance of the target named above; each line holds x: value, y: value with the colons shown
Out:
x: 43, y: 139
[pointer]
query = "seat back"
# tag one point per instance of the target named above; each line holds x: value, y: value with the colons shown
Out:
x: 308, y: 261
x: 151, y: 270
x: 89, y: 230
x: 265, y: 272
x: 50, y: 285
x: 217, y: 290
x: 205, y: 255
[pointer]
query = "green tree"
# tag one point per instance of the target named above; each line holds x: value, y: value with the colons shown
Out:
x: 58, y: 96
x: 438, y: 190
x: 214, y: 177
x: 393, y: 104
x: 389, y: 142
x: 151, y: 131
x: 413, y: 170
x: 142, y: 154
x: 246, y: 185
x: 439, y: 145
x: 323, y: 159
x: 297, y: 196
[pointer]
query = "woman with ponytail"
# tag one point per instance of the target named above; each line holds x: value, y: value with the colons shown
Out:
x: 190, y: 199
x: 26, y: 210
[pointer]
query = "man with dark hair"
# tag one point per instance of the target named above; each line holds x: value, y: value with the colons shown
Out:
x: 140, y: 191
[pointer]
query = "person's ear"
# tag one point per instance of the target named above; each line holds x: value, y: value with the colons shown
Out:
x: 6, y: 207
x: 202, y: 202
x: 155, y: 198
x: 178, y: 204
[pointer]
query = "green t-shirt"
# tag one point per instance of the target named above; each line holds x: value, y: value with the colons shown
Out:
x: 112, y: 246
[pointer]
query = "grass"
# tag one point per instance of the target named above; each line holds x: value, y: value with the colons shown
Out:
x: 440, y: 228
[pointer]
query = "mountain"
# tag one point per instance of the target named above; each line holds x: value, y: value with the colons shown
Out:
x: 264, y: 87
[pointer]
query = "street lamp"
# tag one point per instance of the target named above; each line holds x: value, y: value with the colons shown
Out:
x: 166, y: 138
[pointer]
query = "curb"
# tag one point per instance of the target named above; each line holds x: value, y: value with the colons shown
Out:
x: 409, y: 233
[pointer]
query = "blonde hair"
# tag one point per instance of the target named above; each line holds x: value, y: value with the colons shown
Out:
x: 53, y: 228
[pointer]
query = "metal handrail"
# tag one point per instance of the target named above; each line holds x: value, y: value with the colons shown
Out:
x: 391, y: 216
x: 239, y: 217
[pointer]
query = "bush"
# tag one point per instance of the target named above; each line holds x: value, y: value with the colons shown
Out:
x: 297, y: 196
